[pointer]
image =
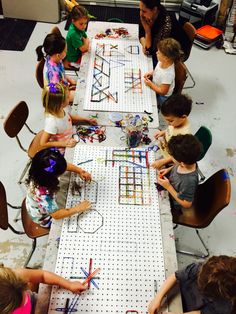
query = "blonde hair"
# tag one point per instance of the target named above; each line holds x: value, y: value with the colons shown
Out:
x: 171, y: 49
x: 11, y: 290
x: 53, y: 97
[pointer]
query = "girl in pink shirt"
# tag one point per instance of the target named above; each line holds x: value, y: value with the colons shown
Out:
x: 15, y: 296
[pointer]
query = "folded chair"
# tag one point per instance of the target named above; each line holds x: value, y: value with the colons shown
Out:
x: 211, y: 197
x: 31, y: 229
x: 204, y: 136
x: 14, y: 123
x: 191, y: 33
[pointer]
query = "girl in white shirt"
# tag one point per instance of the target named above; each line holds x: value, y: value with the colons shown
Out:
x: 162, y: 78
x: 58, y: 121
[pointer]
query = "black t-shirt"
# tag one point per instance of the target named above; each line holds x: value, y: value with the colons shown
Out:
x: 192, y: 299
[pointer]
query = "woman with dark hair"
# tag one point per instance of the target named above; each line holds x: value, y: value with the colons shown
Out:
x: 157, y: 24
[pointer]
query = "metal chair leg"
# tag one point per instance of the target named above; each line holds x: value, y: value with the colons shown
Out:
x: 14, y: 230
x: 31, y: 131
x: 24, y: 172
x: 30, y: 253
x: 192, y: 79
x: 194, y: 253
x: 18, y: 213
x: 202, y: 177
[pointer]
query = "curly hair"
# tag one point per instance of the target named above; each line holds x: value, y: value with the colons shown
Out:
x: 177, y: 105
x: 217, y: 277
x: 46, y: 166
x: 171, y: 49
x: 184, y: 148
x: 11, y: 290
x: 53, y: 43
x: 53, y: 99
x: 79, y: 12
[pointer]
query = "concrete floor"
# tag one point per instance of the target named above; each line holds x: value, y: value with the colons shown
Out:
x: 214, y: 72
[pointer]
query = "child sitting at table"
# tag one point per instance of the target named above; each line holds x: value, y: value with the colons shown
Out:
x: 162, y: 78
x: 54, y: 46
x: 183, y: 176
x: 206, y: 288
x: 175, y: 111
x: 58, y: 121
x: 15, y: 285
x: 43, y: 184
x: 77, y: 40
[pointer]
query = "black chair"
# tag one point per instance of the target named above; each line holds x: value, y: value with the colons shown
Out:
x: 204, y: 136
x: 211, y: 197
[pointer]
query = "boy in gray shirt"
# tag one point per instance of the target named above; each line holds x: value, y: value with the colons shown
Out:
x: 207, y: 288
x: 183, y: 177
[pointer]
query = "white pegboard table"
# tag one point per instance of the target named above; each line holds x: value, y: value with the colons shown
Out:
x: 115, y: 77
x: 122, y: 233
x: 169, y: 254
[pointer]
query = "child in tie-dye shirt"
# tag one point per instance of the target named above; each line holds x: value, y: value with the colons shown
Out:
x: 43, y: 184
x: 55, y: 48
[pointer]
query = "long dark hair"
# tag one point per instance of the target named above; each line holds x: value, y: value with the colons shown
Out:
x: 53, y: 43
x: 47, y: 165
x: 151, y: 4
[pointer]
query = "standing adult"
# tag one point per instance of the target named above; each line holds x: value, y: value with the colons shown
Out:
x: 156, y: 23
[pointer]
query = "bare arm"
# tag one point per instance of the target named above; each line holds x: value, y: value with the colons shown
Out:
x: 159, y: 89
x: 45, y: 141
x: 158, y: 164
x: 84, y: 175
x: 155, y: 304
x: 79, y: 119
x: 36, y: 276
x: 166, y: 184
x: 146, y: 41
x: 67, y: 212
x: 85, y: 46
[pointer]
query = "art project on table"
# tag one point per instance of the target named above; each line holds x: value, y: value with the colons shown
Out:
x: 115, y: 77
x: 121, y: 234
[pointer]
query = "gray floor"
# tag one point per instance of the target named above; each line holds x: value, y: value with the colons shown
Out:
x: 214, y: 72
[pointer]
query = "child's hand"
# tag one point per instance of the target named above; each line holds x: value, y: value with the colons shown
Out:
x: 84, y: 175
x: 158, y: 164
x: 83, y: 206
x: 153, y: 306
x: 70, y: 143
x: 147, y: 82
x: 93, y: 121
x: 163, y: 181
x: 158, y: 134
x: 148, y: 75
x: 163, y: 172
x: 77, y: 287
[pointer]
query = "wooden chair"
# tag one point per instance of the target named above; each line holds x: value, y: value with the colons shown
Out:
x: 31, y: 229
x: 14, y: 123
x: 180, y: 77
x: 204, y: 136
x: 211, y: 197
x: 39, y: 73
x: 191, y: 33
